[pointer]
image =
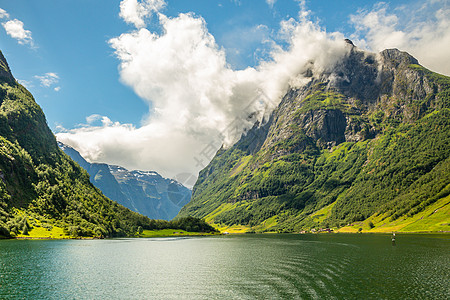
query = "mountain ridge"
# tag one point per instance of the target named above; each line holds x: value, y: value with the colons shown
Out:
x: 145, y: 192
x: 318, y: 149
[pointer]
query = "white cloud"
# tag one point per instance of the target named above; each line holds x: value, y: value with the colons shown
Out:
x: 48, y: 79
x: 135, y: 12
x: 57, y: 89
x: 14, y: 28
x: 196, y: 95
x: 199, y: 101
x: 3, y: 14
x: 271, y: 2
x: 25, y: 83
x: 422, y: 30
x: 93, y: 118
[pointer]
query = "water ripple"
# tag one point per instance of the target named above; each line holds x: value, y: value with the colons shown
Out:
x: 233, y: 267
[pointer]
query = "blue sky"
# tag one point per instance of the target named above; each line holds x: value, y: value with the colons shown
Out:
x: 70, y: 56
x: 70, y: 38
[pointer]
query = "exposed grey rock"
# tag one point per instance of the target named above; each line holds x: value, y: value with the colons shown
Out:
x: 325, y: 126
x: 368, y: 82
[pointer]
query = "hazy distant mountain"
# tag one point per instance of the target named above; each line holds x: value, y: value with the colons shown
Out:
x: 145, y: 192
x: 366, y: 143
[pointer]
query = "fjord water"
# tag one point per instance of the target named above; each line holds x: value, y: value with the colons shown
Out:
x: 331, y: 266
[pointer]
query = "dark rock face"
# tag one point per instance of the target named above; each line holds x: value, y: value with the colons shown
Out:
x: 144, y: 192
x: 349, y: 42
x: 396, y: 78
x: 325, y: 126
x: 356, y: 76
x: 253, y: 140
x: 394, y: 58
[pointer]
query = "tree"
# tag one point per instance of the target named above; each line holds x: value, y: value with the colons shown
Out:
x: 25, y: 229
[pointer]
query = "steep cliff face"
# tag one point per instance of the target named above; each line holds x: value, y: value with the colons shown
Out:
x: 347, y: 143
x: 332, y: 107
x: 145, y: 192
x: 39, y: 184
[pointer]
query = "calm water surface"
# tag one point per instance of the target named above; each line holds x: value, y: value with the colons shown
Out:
x: 326, y: 266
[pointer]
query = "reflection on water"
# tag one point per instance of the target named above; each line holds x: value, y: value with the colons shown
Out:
x: 332, y: 266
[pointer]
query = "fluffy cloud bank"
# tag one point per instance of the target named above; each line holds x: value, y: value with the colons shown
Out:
x: 422, y: 29
x: 198, y: 102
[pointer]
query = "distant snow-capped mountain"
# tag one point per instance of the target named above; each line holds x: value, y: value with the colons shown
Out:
x: 145, y: 192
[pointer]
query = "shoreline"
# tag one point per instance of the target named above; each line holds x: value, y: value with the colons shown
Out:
x: 109, y: 238
x: 222, y: 234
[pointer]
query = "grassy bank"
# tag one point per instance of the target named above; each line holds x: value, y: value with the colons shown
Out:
x: 172, y: 233
x: 434, y: 219
x: 58, y: 233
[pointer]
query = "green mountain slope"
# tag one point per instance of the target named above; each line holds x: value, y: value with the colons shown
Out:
x: 365, y: 146
x: 40, y: 186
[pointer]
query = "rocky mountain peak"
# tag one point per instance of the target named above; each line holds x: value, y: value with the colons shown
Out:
x: 366, y: 137
x: 368, y: 76
x: 330, y: 107
x: 396, y: 58
x: 349, y: 42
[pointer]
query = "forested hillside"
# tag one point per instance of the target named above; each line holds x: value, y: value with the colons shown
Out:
x: 44, y: 193
x: 42, y: 187
x: 365, y: 147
